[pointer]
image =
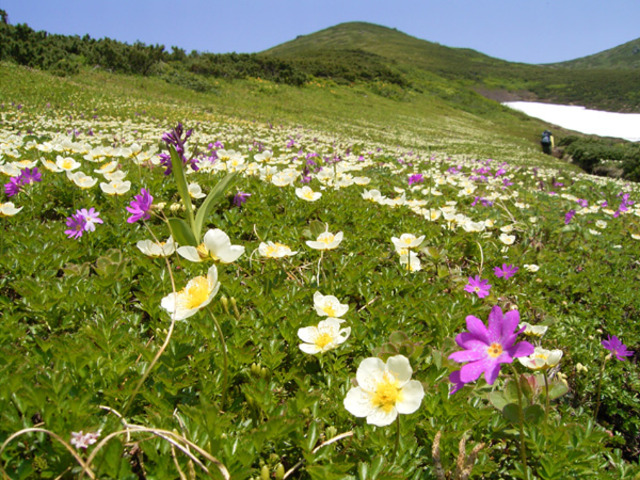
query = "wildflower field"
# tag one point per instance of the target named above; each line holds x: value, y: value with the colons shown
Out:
x: 186, y: 295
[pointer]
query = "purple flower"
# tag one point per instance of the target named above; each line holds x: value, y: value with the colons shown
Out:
x: 29, y: 175
x: 568, y: 216
x: 478, y: 286
x: 76, y: 224
x: 615, y: 346
x: 174, y: 138
x: 91, y: 217
x: 417, y: 178
x: 140, y: 207
x: 506, y: 271
x: 240, y: 198
x: 13, y: 187
x: 488, y: 347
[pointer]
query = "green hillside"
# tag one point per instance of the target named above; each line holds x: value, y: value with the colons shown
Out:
x: 429, y: 65
x: 625, y: 56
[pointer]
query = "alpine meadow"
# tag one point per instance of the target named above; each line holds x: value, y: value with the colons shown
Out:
x: 339, y: 258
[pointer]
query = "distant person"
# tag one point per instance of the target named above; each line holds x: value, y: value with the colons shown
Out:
x: 547, y: 142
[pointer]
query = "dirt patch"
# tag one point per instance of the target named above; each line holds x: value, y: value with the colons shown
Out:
x: 501, y: 95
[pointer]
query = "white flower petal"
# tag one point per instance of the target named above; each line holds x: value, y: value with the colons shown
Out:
x: 358, y: 402
x: 380, y: 418
x: 411, y: 398
x: 370, y: 373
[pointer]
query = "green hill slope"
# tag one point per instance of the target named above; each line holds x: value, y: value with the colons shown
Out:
x: 429, y: 66
x: 625, y: 56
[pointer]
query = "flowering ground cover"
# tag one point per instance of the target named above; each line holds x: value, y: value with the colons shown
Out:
x: 238, y: 299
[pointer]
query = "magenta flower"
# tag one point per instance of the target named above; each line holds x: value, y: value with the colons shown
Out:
x: 29, y: 175
x: 615, y: 346
x: 417, y: 178
x: 240, y: 198
x: 506, y: 271
x: 478, y: 286
x: 76, y: 224
x: 488, y: 347
x: 568, y: 216
x: 13, y: 187
x: 140, y: 207
x: 91, y: 217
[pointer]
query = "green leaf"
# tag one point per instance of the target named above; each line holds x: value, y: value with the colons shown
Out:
x: 181, y: 184
x: 376, y: 466
x: 214, y: 195
x: 498, y: 399
x: 557, y: 389
x: 511, y: 413
x: 312, y: 436
x: 181, y: 232
x: 533, y: 413
x: 363, y: 469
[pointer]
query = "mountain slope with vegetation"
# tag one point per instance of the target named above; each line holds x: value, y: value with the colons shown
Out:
x: 625, y: 56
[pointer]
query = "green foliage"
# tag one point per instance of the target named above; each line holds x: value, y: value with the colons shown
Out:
x: 591, y: 153
x: 82, y: 321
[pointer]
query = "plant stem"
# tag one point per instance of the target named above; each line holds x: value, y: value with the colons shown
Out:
x: 595, y: 412
x: 396, y: 447
x: 546, y: 397
x: 523, y: 448
x: 225, y: 365
x: 166, y: 340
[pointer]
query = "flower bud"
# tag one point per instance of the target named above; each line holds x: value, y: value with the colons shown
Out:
x: 279, y: 471
x: 225, y: 304
x: 264, y: 473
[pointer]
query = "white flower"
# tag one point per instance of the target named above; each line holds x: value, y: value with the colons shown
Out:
x: 601, y: 224
x: 326, y: 336
x: 326, y: 241
x: 196, y: 295
x: 83, y: 440
x: 116, y: 187
x: 531, y: 267
x: 406, y: 240
x: 195, y: 191
x: 107, y: 167
x: 371, y: 195
x: 152, y: 248
x: 412, y: 265
x: 533, y: 330
x: 66, y: 163
x: 507, y: 239
x: 216, y: 246
x: 328, y: 305
x: 306, y: 193
x: 384, y: 390
x: 541, y: 359
x: 81, y: 180
x: 274, y: 250
x: 8, y: 209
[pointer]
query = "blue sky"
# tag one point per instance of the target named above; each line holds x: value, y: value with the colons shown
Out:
x: 530, y: 31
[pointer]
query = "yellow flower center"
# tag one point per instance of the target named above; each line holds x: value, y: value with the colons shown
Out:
x: 67, y: 163
x: 387, y: 394
x: 408, y: 240
x: 323, y: 340
x: 494, y: 350
x: 195, y: 293
x: 326, y: 238
x: 329, y: 310
x: 204, y: 252
x: 308, y: 194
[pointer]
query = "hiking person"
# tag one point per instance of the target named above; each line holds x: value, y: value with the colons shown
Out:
x: 547, y: 142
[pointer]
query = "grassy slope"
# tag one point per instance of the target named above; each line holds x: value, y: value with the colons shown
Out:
x: 623, y: 56
x: 429, y: 64
x: 415, y: 121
